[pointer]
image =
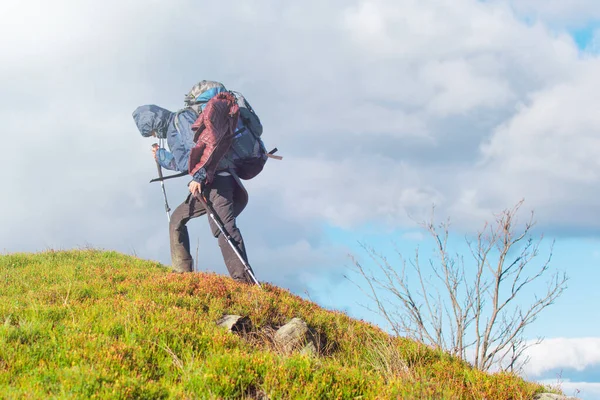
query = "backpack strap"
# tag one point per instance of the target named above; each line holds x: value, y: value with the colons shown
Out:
x: 176, y: 122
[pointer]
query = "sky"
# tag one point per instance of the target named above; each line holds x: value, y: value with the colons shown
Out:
x: 380, y: 108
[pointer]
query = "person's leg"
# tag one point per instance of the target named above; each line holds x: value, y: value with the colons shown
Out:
x: 221, y: 196
x: 181, y: 259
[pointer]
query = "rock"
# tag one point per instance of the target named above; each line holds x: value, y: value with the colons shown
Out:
x: 552, y: 396
x: 310, y: 348
x: 235, y: 323
x: 296, y: 335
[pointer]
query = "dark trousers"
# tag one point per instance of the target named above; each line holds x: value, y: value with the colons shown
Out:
x: 228, y: 199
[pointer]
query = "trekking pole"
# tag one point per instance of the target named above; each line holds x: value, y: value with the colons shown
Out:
x: 162, y: 185
x: 215, y: 217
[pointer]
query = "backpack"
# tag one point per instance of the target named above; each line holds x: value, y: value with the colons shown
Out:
x: 247, y: 151
x: 214, y: 132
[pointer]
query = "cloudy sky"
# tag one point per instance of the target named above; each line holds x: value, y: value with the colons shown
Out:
x: 381, y: 109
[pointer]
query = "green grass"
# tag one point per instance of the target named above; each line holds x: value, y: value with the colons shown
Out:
x: 93, y: 324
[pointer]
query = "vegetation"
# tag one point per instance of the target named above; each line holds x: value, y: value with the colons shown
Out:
x: 93, y: 324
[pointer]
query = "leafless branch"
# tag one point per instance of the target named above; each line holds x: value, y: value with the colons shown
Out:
x: 475, y: 310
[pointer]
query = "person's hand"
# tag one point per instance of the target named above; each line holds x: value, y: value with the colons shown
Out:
x: 195, y: 188
x: 154, y: 150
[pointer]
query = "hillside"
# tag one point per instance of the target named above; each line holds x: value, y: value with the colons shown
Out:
x: 93, y: 324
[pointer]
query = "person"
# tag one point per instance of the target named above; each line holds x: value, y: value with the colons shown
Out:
x: 224, y: 188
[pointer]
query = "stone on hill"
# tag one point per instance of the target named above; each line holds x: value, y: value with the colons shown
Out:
x: 296, y: 335
x: 236, y: 323
x: 553, y: 396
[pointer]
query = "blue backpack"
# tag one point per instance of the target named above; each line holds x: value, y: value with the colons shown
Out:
x: 247, y: 153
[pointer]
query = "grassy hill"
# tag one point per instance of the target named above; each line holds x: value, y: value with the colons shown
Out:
x: 92, y: 324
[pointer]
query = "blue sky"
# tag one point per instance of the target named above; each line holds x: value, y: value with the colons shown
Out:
x: 584, y: 37
x: 380, y: 108
x: 579, y: 258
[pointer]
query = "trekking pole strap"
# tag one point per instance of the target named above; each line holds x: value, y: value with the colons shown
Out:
x: 162, y: 184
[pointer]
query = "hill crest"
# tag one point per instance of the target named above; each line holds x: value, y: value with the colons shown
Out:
x: 88, y: 323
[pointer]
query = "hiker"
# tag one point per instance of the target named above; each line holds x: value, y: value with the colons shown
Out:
x: 210, y: 162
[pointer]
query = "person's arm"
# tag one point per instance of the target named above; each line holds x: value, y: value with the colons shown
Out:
x: 164, y: 158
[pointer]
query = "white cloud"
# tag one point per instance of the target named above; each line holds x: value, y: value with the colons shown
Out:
x: 562, y: 353
x: 547, y: 152
x: 380, y: 108
x: 416, y: 236
x: 346, y: 194
x: 555, y: 133
x: 462, y: 86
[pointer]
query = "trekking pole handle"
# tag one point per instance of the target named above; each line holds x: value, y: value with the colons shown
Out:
x: 160, y: 174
